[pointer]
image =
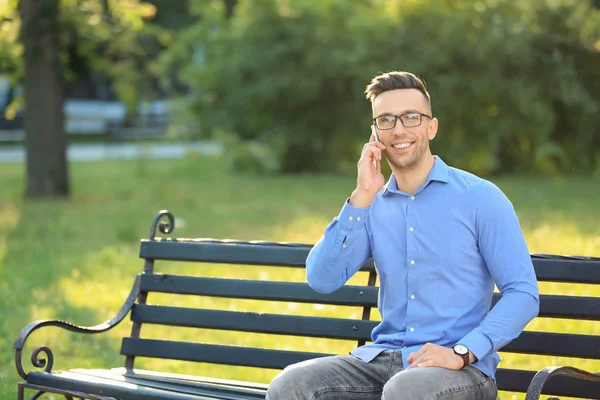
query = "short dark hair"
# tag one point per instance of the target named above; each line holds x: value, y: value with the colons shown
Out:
x: 395, y: 80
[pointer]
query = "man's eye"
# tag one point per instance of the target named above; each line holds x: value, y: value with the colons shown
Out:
x: 411, y: 116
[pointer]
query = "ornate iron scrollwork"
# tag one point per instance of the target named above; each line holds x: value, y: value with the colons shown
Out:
x: 163, y: 227
x: 37, y: 362
x: 47, y: 361
x: 541, y: 377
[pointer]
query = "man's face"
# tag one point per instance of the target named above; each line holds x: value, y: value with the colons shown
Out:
x: 405, y: 147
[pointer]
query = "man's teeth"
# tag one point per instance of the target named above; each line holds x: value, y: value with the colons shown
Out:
x: 401, y: 145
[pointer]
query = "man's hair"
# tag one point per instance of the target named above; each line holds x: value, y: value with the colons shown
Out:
x: 395, y: 80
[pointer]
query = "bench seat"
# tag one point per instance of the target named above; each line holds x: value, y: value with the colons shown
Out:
x: 131, y: 383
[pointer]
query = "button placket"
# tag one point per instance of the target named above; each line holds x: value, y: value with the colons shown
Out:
x: 411, y: 242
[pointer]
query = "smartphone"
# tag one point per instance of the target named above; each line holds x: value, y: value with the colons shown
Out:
x: 374, y: 131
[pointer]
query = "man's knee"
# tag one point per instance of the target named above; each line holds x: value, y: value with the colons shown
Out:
x: 292, y: 383
x: 433, y: 383
x: 412, y: 384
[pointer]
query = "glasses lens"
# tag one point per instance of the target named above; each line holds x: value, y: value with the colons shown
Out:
x: 386, y: 122
x: 411, y: 119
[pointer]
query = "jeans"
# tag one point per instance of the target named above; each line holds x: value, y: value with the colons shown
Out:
x: 384, y: 378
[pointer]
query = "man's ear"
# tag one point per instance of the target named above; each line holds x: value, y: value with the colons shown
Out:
x: 433, y: 127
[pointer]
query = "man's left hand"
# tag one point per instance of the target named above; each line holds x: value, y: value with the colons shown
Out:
x: 432, y: 355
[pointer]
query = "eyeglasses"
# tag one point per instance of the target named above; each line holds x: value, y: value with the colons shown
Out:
x: 408, y: 120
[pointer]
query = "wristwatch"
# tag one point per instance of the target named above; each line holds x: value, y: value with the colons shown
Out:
x: 462, y: 351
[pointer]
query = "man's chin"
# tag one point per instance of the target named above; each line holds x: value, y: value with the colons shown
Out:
x: 405, y: 163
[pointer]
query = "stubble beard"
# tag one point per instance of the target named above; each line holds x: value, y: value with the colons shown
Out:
x: 408, y: 161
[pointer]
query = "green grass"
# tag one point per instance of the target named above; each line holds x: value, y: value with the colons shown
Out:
x: 75, y: 260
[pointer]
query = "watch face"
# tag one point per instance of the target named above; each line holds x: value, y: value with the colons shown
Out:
x: 461, y: 349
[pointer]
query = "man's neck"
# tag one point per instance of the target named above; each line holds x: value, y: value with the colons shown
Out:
x: 410, y: 179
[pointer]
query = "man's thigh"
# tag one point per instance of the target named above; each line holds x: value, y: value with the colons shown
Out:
x: 329, y: 378
x: 434, y: 383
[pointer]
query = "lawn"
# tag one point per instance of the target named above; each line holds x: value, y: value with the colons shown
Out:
x: 75, y: 259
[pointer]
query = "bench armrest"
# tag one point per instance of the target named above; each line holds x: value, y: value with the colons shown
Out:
x: 49, y: 359
x: 541, y: 377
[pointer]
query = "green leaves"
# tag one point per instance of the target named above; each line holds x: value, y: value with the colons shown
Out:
x: 111, y: 38
x: 515, y: 85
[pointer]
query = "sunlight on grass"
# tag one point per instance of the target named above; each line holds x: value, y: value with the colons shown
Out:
x: 10, y: 216
x: 304, y: 229
x: 561, y: 237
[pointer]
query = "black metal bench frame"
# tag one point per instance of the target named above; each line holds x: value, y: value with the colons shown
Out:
x: 127, y: 383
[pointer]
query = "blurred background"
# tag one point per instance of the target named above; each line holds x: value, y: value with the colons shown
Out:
x: 246, y: 119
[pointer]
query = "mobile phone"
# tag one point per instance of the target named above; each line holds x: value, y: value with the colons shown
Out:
x: 374, y: 131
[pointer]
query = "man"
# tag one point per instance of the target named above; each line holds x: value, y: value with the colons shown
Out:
x: 440, y: 238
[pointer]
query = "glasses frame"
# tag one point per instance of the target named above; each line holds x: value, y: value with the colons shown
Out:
x: 399, y: 117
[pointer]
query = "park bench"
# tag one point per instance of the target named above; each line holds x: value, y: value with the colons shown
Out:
x: 130, y: 383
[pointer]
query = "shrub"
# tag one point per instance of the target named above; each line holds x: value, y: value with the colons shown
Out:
x: 515, y: 85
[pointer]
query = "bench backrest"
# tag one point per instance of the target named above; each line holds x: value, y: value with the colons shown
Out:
x: 359, y: 297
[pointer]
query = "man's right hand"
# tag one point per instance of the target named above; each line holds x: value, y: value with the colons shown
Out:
x: 370, y: 179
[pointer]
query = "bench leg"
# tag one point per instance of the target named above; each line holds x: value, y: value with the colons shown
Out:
x: 21, y: 392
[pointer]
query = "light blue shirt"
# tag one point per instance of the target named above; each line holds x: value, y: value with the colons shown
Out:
x: 438, y: 255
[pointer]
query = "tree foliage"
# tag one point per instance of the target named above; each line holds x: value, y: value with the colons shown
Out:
x: 110, y: 38
x: 515, y: 84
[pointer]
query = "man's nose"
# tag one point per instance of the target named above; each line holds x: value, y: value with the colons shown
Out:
x: 398, y: 128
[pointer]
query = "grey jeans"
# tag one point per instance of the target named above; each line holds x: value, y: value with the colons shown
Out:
x: 384, y: 378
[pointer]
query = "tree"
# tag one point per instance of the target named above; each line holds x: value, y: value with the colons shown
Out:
x: 515, y: 84
x: 46, y: 43
x: 45, y: 141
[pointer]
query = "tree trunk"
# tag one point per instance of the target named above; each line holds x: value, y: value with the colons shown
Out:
x: 45, y: 139
x: 230, y: 8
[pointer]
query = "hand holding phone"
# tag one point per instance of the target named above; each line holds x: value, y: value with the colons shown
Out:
x: 369, y: 180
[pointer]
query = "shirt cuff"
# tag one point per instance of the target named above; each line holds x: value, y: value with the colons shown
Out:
x: 351, y: 217
x: 477, y: 343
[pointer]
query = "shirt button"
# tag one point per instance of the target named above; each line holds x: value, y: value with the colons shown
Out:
x: 412, y: 297
x: 403, y: 347
x: 350, y: 218
x: 412, y: 262
x: 344, y: 245
x: 412, y: 197
x: 412, y: 329
x: 411, y: 228
x: 358, y: 218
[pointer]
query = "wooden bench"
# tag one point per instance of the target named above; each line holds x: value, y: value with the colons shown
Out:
x: 134, y: 384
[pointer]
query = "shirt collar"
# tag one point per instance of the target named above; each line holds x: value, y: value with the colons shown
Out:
x: 439, y: 172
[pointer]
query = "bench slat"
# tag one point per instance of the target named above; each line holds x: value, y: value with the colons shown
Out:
x: 214, y: 353
x: 548, y: 268
x: 332, y: 328
x: 509, y: 380
x: 131, y: 389
x: 567, y: 270
x: 571, y: 307
x: 543, y: 343
x: 258, y: 290
x: 557, y: 344
x: 219, y: 252
x: 587, y: 308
